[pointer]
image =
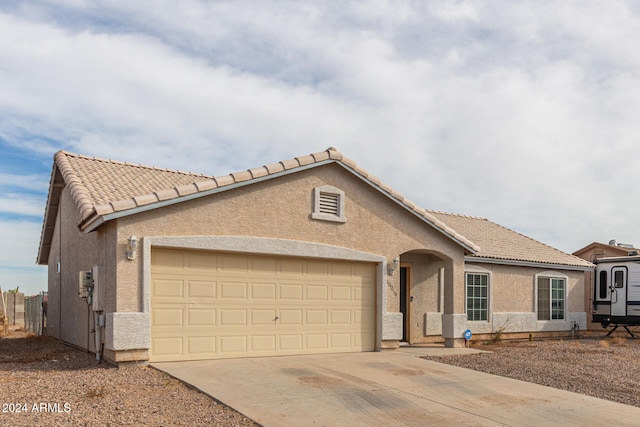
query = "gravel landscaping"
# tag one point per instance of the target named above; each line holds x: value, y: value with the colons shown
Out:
x: 606, y: 368
x: 46, y: 383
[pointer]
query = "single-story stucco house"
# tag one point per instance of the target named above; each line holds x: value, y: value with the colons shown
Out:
x: 308, y: 255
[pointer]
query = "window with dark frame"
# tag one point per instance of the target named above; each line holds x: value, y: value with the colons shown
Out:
x: 603, y: 285
x: 477, y: 295
x: 551, y: 298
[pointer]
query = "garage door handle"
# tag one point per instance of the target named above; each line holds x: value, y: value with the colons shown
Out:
x: 277, y: 317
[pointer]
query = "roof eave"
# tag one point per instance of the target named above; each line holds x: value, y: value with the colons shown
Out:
x: 96, y: 220
x: 524, y: 263
x: 50, y: 215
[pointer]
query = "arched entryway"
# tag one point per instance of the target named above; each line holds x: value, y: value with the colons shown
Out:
x: 422, y: 294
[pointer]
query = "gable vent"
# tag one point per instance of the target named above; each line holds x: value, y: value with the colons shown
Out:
x: 329, y: 203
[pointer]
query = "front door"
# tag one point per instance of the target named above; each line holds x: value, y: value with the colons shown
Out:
x: 619, y: 291
x: 404, y: 298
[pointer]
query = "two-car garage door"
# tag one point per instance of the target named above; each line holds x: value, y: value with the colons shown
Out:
x: 208, y: 305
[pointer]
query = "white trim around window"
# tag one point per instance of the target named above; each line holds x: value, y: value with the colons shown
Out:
x: 477, y: 294
x: 554, y: 296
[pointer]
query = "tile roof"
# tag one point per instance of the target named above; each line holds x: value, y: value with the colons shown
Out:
x: 104, y: 186
x: 105, y: 189
x: 500, y: 243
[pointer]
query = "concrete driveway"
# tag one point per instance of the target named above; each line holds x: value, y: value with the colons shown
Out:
x: 393, y: 387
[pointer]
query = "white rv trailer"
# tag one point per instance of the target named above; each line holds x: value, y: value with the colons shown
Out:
x: 616, y: 299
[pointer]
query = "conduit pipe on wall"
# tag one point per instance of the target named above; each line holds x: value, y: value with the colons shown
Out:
x: 97, y: 335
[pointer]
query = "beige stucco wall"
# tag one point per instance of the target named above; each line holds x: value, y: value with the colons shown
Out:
x: 69, y: 317
x: 281, y: 208
x: 513, y: 287
x: 512, y: 299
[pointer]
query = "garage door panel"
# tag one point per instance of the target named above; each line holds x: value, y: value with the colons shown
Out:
x: 364, y: 293
x: 201, y: 316
x: 291, y: 266
x: 264, y: 291
x: 161, y: 317
x: 233, y: 317
x: 340, y: 340
x: 317, y: 292
x: 233, y: 344
x: 364, y: 340
x: 201, y: 345
x: 204, y: 261
x: 317, y: 268
x: 202, y: 289
x: 167, y: 346
x: 263, y: 343
x: 263, y: 317
x: 362, y: 316
x: 291, y: 291
x: 341, y: 269
x: 234, y: 263
x: 168, y: 260
x: 263, y: 266
x: 341, y: 317
x: 316, y: 317
x: 317, y: 341
x: 290, y: 342
x: 233, y: 290
x: 168, y: 288
x: 290, y: 317
x: 341, y: 293
x: 212, y: 305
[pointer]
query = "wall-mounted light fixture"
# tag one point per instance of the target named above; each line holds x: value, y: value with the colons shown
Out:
x: 393, y: 265
x: 133, y: 245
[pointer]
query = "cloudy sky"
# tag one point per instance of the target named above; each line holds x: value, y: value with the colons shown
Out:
x: 525, y: 113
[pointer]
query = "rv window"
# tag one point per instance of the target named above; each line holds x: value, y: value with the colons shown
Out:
x: 618, y: 279
x: 603, y: 284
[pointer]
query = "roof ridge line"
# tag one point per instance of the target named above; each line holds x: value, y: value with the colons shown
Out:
x: 78, y: 191
x: 458, y: 215
x: 138, y: 165
x: 208, y: 183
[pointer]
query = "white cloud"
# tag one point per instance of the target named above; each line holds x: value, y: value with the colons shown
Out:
x: 21, y: 204
x: 26, y: 182
x: 18, y: 257
x: 521, y: 112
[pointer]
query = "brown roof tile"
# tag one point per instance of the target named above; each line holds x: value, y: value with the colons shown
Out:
x: 498, y: 242
x: 145, y: 199
x: 224, y: 180
x: 259, y: 172
x: 305, y: 160
x: 289, y: 164
x: 241, y: 176
x: 101, y: 187
x: 205, y: 185
x: 274, y: 167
